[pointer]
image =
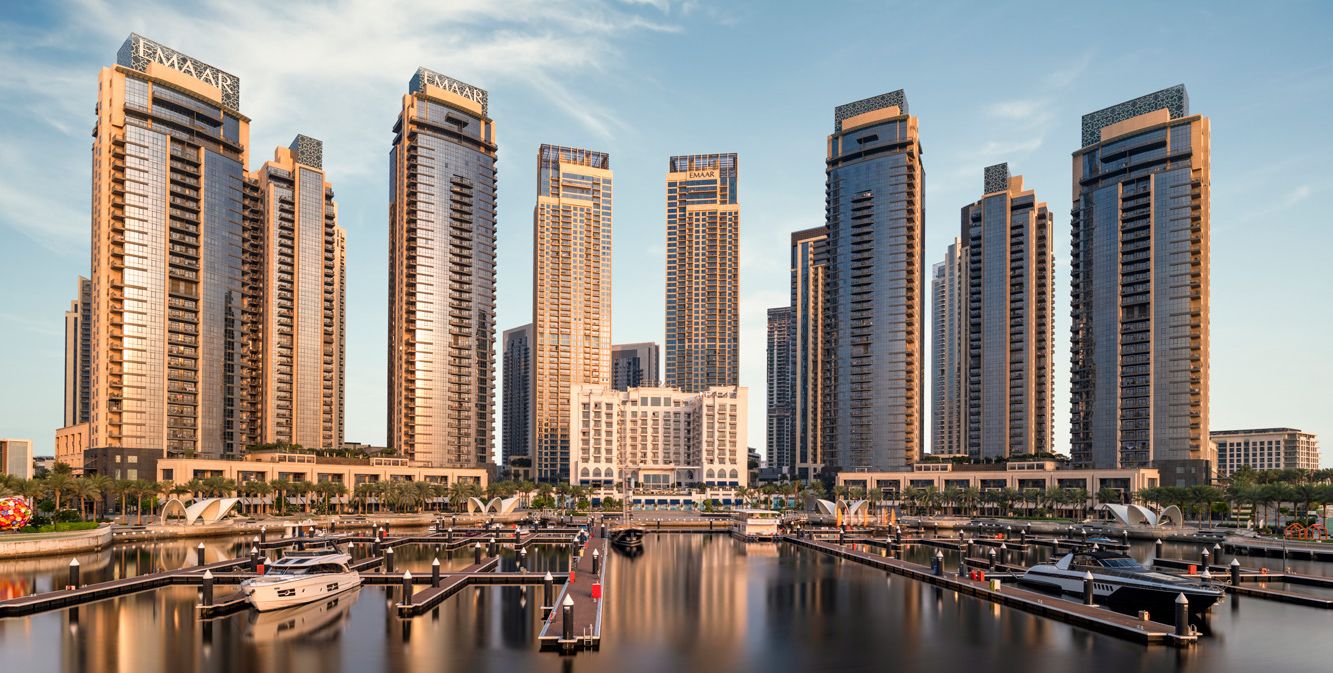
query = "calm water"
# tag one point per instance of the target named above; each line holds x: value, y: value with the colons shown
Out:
x: 689, y: 603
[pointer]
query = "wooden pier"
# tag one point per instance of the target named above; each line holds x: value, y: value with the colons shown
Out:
x: 583, y: 598
x: 90, y: 593
x: 1084, y: 616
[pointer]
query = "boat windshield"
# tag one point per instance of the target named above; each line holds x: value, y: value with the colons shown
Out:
x: 1121, y: 563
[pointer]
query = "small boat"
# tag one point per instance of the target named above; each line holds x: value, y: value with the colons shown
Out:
x: 301, y: 577
x: 626, y: 537
x: 1120, y: 583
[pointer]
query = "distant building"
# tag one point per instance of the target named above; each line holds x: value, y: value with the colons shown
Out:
x: 874, y: 337
x: 516, y: 407
x: 780, y: 441
x: 948, y: 332
x: 1039, y: 475
x: 1139, y: 269
x: 16, y: 457
x: 78, y: 354
x: 43, y: 463
x: 571, y: 294
x: 703, y: 272
x: 809, y: 268
x: 659, y: 437
x: 308, y: 468
x: 1265, y: 449
x: 635, y: 366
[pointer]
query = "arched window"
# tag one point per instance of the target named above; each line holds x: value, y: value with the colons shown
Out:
x: 583, y: 473
x: 597, y: 472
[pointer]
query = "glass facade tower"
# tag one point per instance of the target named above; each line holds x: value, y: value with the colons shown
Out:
x: 516, y: 407
x: 781, y: 380
x: 1006, y: 309
x: 442, y: 274
x: 947, y: 312
x: 809, y: 267
x: 571, y: 294
x: 873, y: 336
x: 703, y: 272
x: 1140, y: 270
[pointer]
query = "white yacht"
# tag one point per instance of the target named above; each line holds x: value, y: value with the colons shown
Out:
x: 1120, y: 583
x: 300, y: 577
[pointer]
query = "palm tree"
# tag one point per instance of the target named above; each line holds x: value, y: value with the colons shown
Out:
x: 57, y: 484
x: 82, y: 489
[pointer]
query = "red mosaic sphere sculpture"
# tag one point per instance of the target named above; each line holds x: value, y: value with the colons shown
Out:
x: 14, y: 513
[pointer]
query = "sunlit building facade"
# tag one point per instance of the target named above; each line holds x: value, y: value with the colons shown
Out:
x: 299, y: 284
x: 571, y: 294
x: 516, y: 406
x: 168, y: 206
x: 1140, y: 271
x: 875, y: 201
x: 1007, y: 313
x: 1265, y: 449
x: 703, y: 272
x: 809, y: 270
x: 78, y: 354
x: 442, y: 274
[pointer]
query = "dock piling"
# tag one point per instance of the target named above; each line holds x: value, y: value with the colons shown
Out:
x: 449, y: 535
x: 1235, y: 572
x: 491, y: 550
x: 199, y: 554
x: 407, y: 586
x: 991, y: 555
x: 568, y: 620
x: 1157, y: 548
x: 263, y: 534
x: 937, y: 565
x: 548, y: 594
x: 476, y: 553
x: 207, y: 589
x: 1182, y: 615
x: 73, y: 574
x: 1087, y: 588
x: 435, y: 572
x: 254, y: 558
x: 388, y: 560
x: 1203, y: 557
x: 596, y: 562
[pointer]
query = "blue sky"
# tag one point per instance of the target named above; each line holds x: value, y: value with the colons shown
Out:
x: 990, y: 82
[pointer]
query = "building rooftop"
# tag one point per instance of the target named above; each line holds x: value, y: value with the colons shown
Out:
x: 138, y: 52
x: 849, y: 110
x: 426, y: 76
x: 1175, y: 99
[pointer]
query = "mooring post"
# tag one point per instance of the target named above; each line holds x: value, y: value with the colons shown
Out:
x: 1004, y: 553
x: 449, y: 536
x: 1182, y: 615
x: 1087, y: 588
x: 971, y: 548
x: 254, y: 558
x: 388, y: 560
x: 548, y: 594
x: 939, y: 564
x: 1235, y: 572
x: 596, y: 562
x: 476, y: 553
x: 73, y: 574
x: 263, y: 534
x: 208, y: 588
x: 522, y: 559
x: 407, y: 587
x: 435, y: 572
x: 199, y: 554
x: 842, y: 535
x: 491, y: 551
x: 515, y: 535
x: 1157, y: 548
x: 333, y: 526
x: 1203, y: 557
x: 568, y: 630
x: 991, y: 554
x: 1217, y: 552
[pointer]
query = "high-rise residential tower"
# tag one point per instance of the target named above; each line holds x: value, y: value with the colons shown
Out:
x: 168, y: 207
x: 948, y: 329
x: 516, y: 407
x: 442, y: 274
x: 299, y: 284
x: 703, y: 272
x: 1139, y: 270
x: 1007, y: 363
x: 635, y: 366
x: 875, y: 215
x: 809, y: 267
x: 781, y: 396
x: 78, y: 354
x: 571, y: 294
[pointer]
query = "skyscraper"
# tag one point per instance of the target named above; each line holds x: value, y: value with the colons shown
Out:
x: 442, y: 274
x: 635, y: 366
x: 78, y: 354
x: 168, y: 206
x: 781, y: 381
x: 809, y: 266
x: 948, y: 329
x: 516, y: 407
x: 1140, y: 269
x: 703, y: 272
x: 873, y: 336
x: 571, y: 293
x: 299, y: 284
x: 1007, y: 314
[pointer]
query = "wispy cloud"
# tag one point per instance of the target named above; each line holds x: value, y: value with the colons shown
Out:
x: 333, y: 70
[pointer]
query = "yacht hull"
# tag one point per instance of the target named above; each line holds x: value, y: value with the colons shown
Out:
x: 285, y: 593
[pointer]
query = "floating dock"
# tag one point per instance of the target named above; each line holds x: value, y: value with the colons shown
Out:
x: 583, y: 597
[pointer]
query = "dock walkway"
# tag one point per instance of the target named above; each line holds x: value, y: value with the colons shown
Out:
x: 586, y: 619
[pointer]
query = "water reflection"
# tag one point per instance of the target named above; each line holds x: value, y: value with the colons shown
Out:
x: 689, y: 603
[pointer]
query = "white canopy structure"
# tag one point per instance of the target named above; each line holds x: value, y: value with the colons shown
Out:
x: 207, y: 510
x: 495, y: 506
x: 1138, y: 515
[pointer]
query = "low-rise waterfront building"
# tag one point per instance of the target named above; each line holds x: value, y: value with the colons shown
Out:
x: 1265, y: 449
x: 71, y: 442
x: 16, y: 457
x: 659, y: 438
x: 305, y: 467
x: 1018, y: 475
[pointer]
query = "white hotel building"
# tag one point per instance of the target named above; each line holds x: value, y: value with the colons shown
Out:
x: 658, y: 438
